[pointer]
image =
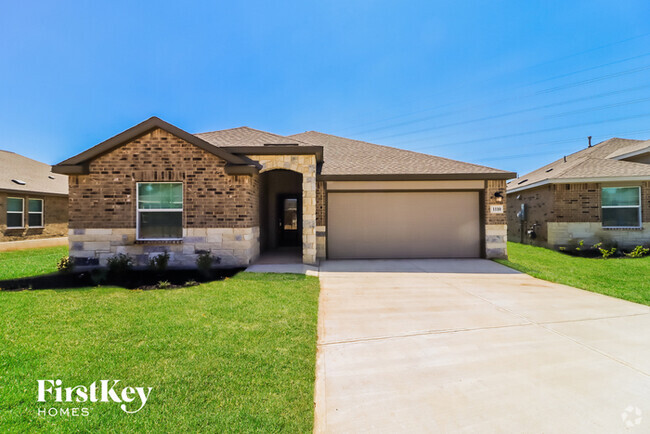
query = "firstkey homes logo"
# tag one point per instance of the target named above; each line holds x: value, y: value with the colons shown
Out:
x: 131, y: 399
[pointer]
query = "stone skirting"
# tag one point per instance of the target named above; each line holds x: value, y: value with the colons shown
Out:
x: 234, y: 246
x: 305, y: 165
x: 321, y: 242
x: 562, y: 233
x: 496, y: 237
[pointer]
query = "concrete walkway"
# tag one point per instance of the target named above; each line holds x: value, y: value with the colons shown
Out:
x: 472, y: 346
x: 33, y: 244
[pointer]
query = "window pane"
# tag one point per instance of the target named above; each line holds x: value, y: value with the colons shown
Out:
x: 160, y: 196
x: 14, y: 204
x: 35, y: 205
x: 35, y: 219
x: 14, y: 220
x: 616, y: 217
x: 620, y: 196
x: 161, y: 225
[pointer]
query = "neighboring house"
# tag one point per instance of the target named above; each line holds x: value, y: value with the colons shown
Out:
x: 601, y: 193
x: 241, y: 191
x: 33, y: 199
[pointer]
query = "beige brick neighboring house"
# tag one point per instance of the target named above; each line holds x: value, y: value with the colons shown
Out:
x: 33, y: 199
x: 241, y: 192
x: 599, y: 194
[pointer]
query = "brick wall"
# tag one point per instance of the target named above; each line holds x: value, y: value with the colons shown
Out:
x: 540, y: 209
x: 492, y: 186
x: 577, y: 202
x: 321, y: 204
x: 55, y: 218
x: 105, y: 198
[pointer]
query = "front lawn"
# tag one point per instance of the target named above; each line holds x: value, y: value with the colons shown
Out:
x: 230, y: 356
x: 624, y: 278
x: 30, y: 262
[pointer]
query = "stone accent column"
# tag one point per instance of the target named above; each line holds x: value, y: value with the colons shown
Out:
x: 305, y: 165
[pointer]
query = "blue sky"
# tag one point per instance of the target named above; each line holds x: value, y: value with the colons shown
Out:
x: 509, y: 84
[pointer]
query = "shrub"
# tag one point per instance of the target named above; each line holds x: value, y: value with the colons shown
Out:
x: 65, y: 264
x: 120, y: 264
x: 638, y: 252
x: 204, y: 261
x: 164, y: 284
x: 191, y: 282
x: 607, y: 252
x: 159, y: 262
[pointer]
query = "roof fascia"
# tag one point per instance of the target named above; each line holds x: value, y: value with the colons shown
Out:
x: 140, y: 130
x: 417, y: 177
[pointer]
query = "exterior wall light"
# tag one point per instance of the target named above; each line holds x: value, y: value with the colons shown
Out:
x: 498, y: 196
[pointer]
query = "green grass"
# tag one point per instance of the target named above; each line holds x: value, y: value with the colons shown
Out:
x: 624, y: 278
x: 230, y: 356
x: 30, y: 262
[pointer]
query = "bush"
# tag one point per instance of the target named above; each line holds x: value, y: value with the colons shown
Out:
x: 65, y: 264
x: 638, y: 252
x: 120, y: 264
x: 607, y: 252
x: 159, y: 263
x: 164, y: 284
x: 204, y: 261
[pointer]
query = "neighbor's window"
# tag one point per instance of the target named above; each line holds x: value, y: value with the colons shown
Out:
x: 160, y: 210
x: 15, y: 212
x: 621, y: 207
x: 35, y: 213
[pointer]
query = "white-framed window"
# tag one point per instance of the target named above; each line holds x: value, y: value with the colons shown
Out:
x: 160, y: 210
x: 621, y: 207
x: 35, y: 213
x: 15, y: 213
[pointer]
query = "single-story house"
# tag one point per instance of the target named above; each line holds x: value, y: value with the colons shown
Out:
x: 241, y: 191
x: 598, y: 194
x: 33, y: 199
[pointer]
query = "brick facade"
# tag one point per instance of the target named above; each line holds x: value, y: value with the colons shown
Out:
x: 496, y: 230
x: 55, y: 218
x: 106, y: 197
x: 566, y: 212
x: 220, y: 211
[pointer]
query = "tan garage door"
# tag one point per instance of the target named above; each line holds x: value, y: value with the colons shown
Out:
x: 403, y: 225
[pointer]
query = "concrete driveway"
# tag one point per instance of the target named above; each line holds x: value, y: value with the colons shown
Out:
x: 473, y: 346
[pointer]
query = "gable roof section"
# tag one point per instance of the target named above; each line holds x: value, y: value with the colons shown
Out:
x: 36, y: 176
x: 354, y: 159
x: 246, y: 140
x: 597, y: 162
x: 78, y: 163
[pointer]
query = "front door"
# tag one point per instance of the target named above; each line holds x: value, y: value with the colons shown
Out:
x: 289, y: 219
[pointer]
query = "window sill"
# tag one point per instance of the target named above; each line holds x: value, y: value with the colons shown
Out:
x: 161, y: 241
x: 625, y: 228
x: 15, y: 228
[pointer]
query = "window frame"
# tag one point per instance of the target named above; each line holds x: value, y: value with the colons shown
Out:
x: 41, y: 212
x: 22, y: 213
x: 638, y: 207
x: 138, y: 211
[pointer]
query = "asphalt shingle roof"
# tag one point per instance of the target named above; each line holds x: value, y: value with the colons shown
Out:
x: 597, y: 161
x: 36, y: 176
x: 343, y: 156
x: 245, y: 136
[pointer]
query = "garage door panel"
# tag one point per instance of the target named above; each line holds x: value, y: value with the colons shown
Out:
x: 403, y: 225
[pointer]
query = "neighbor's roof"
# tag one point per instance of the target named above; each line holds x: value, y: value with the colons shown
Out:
x: 22, y: 174
x: 597, y: 162
x: 353, y: 157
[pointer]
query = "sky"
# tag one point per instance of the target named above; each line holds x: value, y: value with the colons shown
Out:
x: 507, y: 84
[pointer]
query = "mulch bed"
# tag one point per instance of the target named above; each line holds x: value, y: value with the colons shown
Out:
x: 135, y: 279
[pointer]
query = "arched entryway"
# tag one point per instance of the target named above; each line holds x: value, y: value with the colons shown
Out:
x: 281, y: 213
